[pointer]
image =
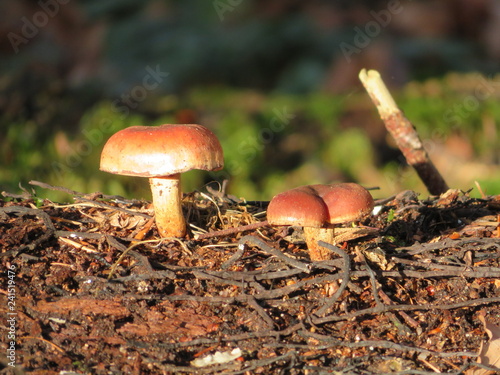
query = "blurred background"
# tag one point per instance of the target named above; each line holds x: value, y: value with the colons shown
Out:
x: 276, y: 80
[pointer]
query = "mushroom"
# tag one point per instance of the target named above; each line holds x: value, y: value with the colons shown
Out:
x: 162, y: 153
x: 318, y: 208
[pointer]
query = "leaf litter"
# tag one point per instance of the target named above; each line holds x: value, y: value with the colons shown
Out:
x: 99, y: 292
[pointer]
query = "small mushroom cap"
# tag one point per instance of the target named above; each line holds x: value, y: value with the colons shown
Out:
x: 320, y: 205
x: 346, y: 202
x: 300, y: 206
x: 156, y: 151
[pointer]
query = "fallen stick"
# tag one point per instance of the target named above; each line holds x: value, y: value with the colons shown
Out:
x: 229, y: 231
x: 403, y: 132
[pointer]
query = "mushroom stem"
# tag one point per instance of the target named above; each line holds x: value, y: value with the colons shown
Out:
x: 167, y: 198
x: 313, y: 236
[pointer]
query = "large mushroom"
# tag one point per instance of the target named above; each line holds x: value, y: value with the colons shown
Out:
x: 318, y: 208
x: 162, y: 153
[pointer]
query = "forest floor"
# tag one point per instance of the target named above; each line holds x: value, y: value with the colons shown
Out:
x: 91, y: 289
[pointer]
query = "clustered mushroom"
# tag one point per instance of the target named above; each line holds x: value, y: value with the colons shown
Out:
x: 162, y: 153
x: 318, y: 208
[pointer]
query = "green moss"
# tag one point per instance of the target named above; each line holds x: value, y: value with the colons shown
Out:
x: 271, y: 142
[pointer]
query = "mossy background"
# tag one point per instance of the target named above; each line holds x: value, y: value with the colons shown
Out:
x: 259, y: 74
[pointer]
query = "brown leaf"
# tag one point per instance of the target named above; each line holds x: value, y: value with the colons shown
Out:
x: 489, y: 353
x: 124, y: 221
x: 448, y: 197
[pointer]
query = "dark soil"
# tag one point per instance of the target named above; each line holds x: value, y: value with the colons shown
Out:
x: 96, y: 291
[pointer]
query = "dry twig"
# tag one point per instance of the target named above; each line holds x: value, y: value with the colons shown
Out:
x: 403, y: 132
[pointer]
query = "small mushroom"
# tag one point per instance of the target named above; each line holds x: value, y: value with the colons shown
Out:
x: 318, y: 208
x: 162, y: 153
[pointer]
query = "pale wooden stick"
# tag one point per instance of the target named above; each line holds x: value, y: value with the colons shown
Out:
x: 403, y: 132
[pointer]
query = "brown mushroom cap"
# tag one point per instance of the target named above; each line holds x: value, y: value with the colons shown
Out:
x: 155, y: 151
x: 320, y: 205
x: 300, y: 206
x: 318, y: 208
x: 346, y: 202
